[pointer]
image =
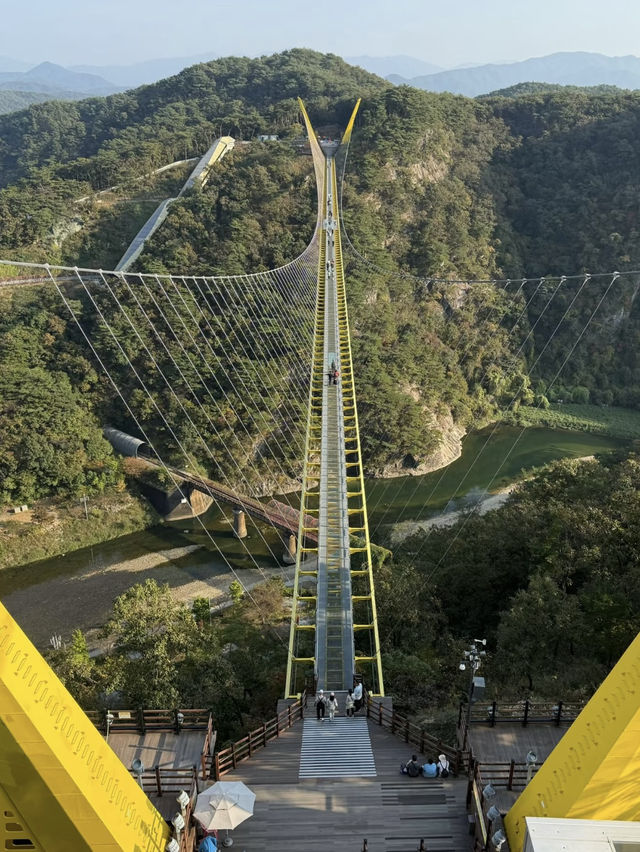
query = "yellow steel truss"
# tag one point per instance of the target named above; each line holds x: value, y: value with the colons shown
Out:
x: 61, y: 785
x: 304, y: 610
x: 593, y: 771
x: 356, y: 498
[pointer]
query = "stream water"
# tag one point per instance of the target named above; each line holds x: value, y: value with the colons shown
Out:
x: 78, y: 589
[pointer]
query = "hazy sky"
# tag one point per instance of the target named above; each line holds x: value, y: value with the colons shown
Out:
x: 447, y: 32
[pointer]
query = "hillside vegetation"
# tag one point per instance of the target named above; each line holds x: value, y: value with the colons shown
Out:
x: 436, y: 185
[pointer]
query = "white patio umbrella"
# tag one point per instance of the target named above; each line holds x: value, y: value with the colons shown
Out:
x: 224, y: 805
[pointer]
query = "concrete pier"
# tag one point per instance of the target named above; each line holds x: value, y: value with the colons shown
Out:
x: 239, y: 523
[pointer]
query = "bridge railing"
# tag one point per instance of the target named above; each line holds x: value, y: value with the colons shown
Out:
x: 418, y: 736
x: 227, y: 759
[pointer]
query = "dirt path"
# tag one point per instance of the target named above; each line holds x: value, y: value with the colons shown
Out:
x: 404, y: 529
x: 84, y: 599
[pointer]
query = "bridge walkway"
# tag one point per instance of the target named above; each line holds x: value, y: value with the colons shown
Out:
x: 334, y: 631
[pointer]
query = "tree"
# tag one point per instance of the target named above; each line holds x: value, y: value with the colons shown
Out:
x: 153, y: 636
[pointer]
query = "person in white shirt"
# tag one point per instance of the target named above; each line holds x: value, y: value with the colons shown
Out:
x: 443, y: 766
x: 332, y: 705
x: 357, y: 696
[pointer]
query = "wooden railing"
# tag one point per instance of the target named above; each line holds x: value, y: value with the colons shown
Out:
x: 164, y: 781
x: 415, y: 734
x: 208, y: 748
x: 227, y: 759
x: 512, y: 775
x: 142, y: 720
x: 527, y: 712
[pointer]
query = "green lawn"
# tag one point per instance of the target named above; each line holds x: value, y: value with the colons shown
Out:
x: 603, y: 420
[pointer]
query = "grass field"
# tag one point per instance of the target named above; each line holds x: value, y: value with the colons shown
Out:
x: 621, y: 423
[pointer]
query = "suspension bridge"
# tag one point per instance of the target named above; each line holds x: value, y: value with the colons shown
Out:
x: 209, y: 352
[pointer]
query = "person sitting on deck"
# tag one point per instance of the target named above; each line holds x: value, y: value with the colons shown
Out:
x: 430, y: 769
x: 443, y: 766
x: 411, y: 767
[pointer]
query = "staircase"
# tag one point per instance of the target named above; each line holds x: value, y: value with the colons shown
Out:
x: 336, y: 749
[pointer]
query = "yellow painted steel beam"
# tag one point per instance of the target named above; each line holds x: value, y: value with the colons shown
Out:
x: 65, y: 786
x: 317, y: 379
x: 317, y: 156
x: 347, y: 133
x: 593, y: 771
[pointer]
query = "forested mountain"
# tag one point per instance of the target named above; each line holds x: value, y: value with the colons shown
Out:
x: 436, y: 185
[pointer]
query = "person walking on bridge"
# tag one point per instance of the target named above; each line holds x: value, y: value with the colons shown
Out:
x: 333, y: 706
x: 321, y: 704
x: 349, y: 703
x: 357, y: 696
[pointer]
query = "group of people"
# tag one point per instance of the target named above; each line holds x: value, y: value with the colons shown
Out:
x: 334, y: 374
x: 430, y: 769
x: 353, y: 702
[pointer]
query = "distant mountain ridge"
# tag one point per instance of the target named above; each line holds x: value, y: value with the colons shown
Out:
x: 49, y: 77
x: 141, y: 73
x: 574, y: 69
x: 403, y: 66
x: 47, y: 82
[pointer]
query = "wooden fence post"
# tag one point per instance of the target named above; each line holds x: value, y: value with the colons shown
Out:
x: 158, y: 780
x: 494, y: 710
x: 233, y: 755
x: 264, y: 734
x: 559, y: 714
x: 380, y: 714
x: 216, y: 767
x: 421, y: 740
x: 526, y: 713
x: 512, y: 767
x: 141, y: 725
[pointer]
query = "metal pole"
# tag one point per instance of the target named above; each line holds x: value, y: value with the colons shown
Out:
x: 469, y: 700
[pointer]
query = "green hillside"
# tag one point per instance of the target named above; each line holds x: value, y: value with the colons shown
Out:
x: 436, y: 185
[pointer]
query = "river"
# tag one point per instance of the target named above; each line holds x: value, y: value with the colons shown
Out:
x: 78, y: 589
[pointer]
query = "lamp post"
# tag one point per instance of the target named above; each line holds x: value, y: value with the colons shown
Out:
x: 473, y: 658
x: 109, y: 719
x: 530, y: 759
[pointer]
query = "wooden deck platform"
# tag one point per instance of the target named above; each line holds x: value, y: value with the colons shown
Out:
x: 507, y: 742
x: 392, y: 811
x: 158, y: 748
